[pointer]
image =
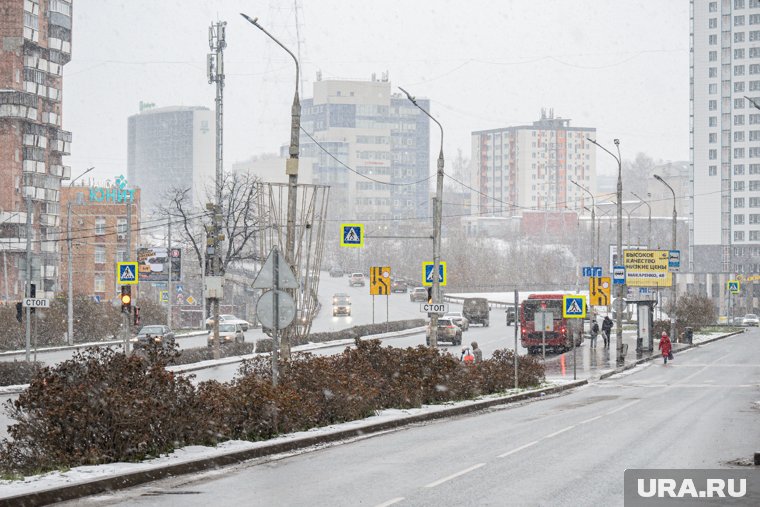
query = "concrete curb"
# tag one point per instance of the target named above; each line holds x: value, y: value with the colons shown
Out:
x: 128, y: 480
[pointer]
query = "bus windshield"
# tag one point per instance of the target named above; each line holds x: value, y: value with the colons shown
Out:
x: 531, y: 306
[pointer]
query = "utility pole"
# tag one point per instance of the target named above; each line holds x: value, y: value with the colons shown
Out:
x: 593, y: 218
x: 291, y: 169
x: 170, y: 262
x: 125, y: 316
x: 437, y: 212
x: 649, y: 222
x: 27, y: 291
x: 217, y: 43
x: 673, y: 247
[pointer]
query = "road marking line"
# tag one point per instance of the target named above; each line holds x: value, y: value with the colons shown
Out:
x: 592, y: 419
x: 559, y: 432
x: 518, y: 449
x: 390, y: 502
x: 454, y: 476
x: 621, y: 408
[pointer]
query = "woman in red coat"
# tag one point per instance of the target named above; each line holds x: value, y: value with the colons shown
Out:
x: 665, y: 346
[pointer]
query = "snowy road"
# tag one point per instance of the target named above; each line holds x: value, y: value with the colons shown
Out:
x: 698, y: 412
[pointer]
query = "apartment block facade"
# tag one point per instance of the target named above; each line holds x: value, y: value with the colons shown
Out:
x: 377, y: 134
x: 35, y: 44
x: 725, y: 147
x: 529, y: 167
x: 170, y: 148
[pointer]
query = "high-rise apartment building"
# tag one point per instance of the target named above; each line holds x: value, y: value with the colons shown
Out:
x: 35, y: 44
x: 170, y: 148
x: 529, y: 167
x: 376, y: 133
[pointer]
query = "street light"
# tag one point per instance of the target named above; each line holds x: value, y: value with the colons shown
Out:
x: 291, y: 169
x: 70, y: 325
x: 649, y: 226
x: 593, y: 219
x: 437, y: 211
x: 621, y: 287
x: 673, y: 247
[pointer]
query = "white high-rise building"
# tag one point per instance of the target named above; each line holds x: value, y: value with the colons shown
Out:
x: 724, y: 235
x: 171, y: 147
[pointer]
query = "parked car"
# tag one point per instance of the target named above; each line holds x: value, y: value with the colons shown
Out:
x: 356, y: 280
x: 336, y: 272
x: 398, y: 286
x: 419, y: 294
x: 341, y: 305
x: 459, y: 319
x: 228, y: 319
x: 511, y: 315
x: 228, y: 333
x: 154, y: 333
x: 751, y: 320
x: 477, y: 311
x: 448, y: 331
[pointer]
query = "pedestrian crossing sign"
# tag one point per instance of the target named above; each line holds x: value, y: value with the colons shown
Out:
x: 127, y: 273
x: 734, y: 286
x: 352, y: 235
x: 573, y: 306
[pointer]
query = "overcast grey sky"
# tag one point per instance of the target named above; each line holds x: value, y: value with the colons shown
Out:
x: 619, y: 66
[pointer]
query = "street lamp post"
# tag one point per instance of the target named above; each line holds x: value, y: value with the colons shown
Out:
x: 673, y: 247
x: 621, y: 288
x: 593, y: 218
x: 437, y: 212
x: 70, y: 327
x: 649, y: 223
x: 291, y: 169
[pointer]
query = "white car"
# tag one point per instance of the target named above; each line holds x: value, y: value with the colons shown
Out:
x: 459, y: 319
x: 228, y: 319
x: 751, y: 320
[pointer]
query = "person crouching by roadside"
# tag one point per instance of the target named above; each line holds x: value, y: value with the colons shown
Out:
x: 666, y: 347
x: 467, y: 357
x: 477, y: 353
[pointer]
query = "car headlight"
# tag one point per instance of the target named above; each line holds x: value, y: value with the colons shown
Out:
x: 133, y: 340
x: 156, y: 339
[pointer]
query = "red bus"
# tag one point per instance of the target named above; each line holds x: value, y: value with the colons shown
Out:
x: 560, y: 339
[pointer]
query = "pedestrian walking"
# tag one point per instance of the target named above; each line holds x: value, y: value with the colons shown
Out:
x: 606, y: 330
x: 594, y: 333
x: 477, y: 352
x: 666, y: 347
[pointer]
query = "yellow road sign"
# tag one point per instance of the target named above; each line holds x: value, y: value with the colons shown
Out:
x: 599, y: 290
x: 380, y: 280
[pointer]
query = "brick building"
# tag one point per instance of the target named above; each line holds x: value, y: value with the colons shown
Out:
x: 35, y: 44
x: 99, y: 235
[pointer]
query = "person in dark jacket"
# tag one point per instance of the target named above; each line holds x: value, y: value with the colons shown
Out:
x: 665, y: 346
x: 606, y: 331
x: 477, y: 352
x: 594, y: 334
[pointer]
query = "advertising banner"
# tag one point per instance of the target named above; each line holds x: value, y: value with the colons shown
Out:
x: 153, y: 264
x: 647, y: 268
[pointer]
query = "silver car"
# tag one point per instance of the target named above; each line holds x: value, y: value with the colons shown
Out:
x: 459, y: 319
x: 751, y: 320
x: 228, y: 333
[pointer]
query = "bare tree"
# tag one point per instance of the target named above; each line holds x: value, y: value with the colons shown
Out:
x: 241, y: 220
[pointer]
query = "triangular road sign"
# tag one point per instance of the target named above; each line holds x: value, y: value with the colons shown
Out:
x: 127, y: 274
x: 285, y: 278
x: 574, y: 307
x: 351, y: 236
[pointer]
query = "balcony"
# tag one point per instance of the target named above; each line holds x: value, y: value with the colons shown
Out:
x: 49, y: 220
x: 59, y: 146
x: 13, y: 244
x: 33, y: 166
x: 62, y: 171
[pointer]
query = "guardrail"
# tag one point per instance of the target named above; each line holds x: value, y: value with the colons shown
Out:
x: 493, y: 304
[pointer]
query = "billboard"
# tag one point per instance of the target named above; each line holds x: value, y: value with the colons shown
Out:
x: 647, y: 268
x: 153, y: 264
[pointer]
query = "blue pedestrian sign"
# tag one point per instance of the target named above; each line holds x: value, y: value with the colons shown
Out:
x: 573, y: 306
x: 352, y: 235
x: 618, y: 275
x: 127, y: 273
x: 427, y: 273
x: 595, y: 271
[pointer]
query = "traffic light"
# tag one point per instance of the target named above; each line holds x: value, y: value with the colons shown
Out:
x: 430, y: 295
x: 32, y: 294
x: 19, y: 311
x: 137, y: 315
x: 126, y: 298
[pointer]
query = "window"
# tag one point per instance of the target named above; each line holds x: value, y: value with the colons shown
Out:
x: 739, y: 86
x: 713, y: 40
x: 739, y: 37
x: 754, y: 35
x: 738, y: 20
x: 100, y: 283
x: 100, y: 226
x: 754, y: 185
x: 738, y: 186
x: 754, y: 119
x: 712, y: 170
x: 713, y: 72
x: 754, y: 168
x: 100, y: 255
x: 738, y: 136
x: 121, y: 225
x: 738, y: 54
x: 738, y: 4
x: 754, y: 68
x: 713, y: 155
x: 754, y: 135
x: 712, y: 105
x: 738, y: 219
x: 738, y: 235
x: 754, y: 202
x: 754, y: 86
x: 754, y: 152
x: 738, y: 103
x: 121, y: 256
x: 754, y: 19
x: 713, y: 120
x: 738, y: 202
x: 738, y: 169
x: 739, y: 119
x: 754, y: 218
x: 754, y: 236
x: 713, y: 56
x: 712, y: 23
x: 712, y: 137
x: 713, y: 88
x: 713, y: 6
x: 738, y: 70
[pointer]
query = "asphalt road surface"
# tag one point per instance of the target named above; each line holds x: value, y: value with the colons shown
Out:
x: 700, y: 411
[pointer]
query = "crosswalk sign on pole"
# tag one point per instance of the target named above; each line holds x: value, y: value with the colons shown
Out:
x: 427, y: 273
x: 734, y: 286
x: 127, y: 273
x: 573, y: 306
x: 352, y: 235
